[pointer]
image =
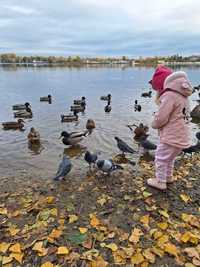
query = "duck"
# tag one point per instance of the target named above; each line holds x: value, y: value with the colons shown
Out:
x: 106, y: 98
x: 137, y: 107
x: 46, y: 98
x: 80, y: 102
x: 21, y: 106
x: 26, y: 114
x: 78, y: 108
x: 90, y: 125
x: 33, y: 136
x: 140, y: 132
x: 108, y: 108
x: 149, y: 94
x: 69, y: 118
x: 13, y: 125
x: 73, y: 138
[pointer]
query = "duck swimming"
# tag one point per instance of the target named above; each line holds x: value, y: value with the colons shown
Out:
x: 78, y: 108
x: 69, y: 118
x: 137, y: 107
x: 73, y: 138
x: 147, y: 94
x: 106, y: 98
x: 21, y: 106
x: 46, y: 99
x: 90, y: 125
x: 13, y: 125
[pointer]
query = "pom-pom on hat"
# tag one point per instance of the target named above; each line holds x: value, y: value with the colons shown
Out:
x: 159, y: 76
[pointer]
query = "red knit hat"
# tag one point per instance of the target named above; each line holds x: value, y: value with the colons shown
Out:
x: 159, y: 77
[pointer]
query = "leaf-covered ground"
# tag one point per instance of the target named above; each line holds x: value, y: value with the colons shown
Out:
x: 102, y: 221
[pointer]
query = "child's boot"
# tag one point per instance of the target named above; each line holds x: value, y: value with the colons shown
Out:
x: 158, y: 184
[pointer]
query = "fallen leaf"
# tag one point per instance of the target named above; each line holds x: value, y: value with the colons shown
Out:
x: 13, y: 230
x: 47, y: 264
x: 146, y: 194
x: 4, y: 247
x: 185, y: 198
x: 3, y: 211
x: 83, y: 230
x: 40, y: 249
x: 50, y: 199
x: 158, y: 251
x: 56, y: 233
x: 189, y: 237
x: 94, y: 221
x: 171, y: 249
x: 54, y: 212
x: 17, y: 256
x: 99, y: 262
x: 188, y: 264
x: 112, y: 246
x: 163, y: 225
x: 145, y: 220
x: 135, y: 235
x: 73, y: 218
x: 147, y: 253
x: 164, y: 213
x: 137, y: 258
x: 162, y: 240
x: 196, y: 262
x: 16, y: 248
x: 62, y: 251
x: 192, y: 252
x: 6, y: 260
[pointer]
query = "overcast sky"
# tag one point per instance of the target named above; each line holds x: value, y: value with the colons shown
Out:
x: 100, y: 27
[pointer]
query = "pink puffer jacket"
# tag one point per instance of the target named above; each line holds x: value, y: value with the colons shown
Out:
x: 171, y: 118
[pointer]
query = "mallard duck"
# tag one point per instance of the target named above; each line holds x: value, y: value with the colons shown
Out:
x: 21, y: 106
x: 46, y: 98
x: 81, y: 102
x: 69, y: 118
x: 14, y: 125
x: 33, y: 136
x: 108, y: 108
x: 147, y: 94
x: 26, y: 114
x: 137, y: 107
x: 90, y: 125
x: 73, y: 138
x: 78, y: 108
x: 106, y: 98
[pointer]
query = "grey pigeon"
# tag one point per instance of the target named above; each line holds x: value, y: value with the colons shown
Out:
x: 108, y: 166
x: 64, y: 168
x: 90, y: 158
x: 123, y: 146
x: 147, y: 145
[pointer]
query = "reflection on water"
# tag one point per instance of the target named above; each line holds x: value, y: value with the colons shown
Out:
x: 21, y: 84
x: 36, y: 148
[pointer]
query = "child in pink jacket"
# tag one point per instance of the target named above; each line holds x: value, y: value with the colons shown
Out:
x: 173, y: 90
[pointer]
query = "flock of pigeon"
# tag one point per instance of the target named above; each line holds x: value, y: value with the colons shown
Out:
x: 23, y: 111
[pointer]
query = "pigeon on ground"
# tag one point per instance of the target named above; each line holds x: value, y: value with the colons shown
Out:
x: 64, y: 168
x: 90, y: 158
x: 123, y: 146
x: 108, y: 166
x: 192, y: 149
x: 198, y: 135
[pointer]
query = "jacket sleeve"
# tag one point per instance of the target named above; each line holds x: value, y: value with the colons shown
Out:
x: 165, y: 109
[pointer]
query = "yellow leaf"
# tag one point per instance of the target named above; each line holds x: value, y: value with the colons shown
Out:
x: 137, y: 258
x: 47, y: 264
x: 16, y: 248
x: 145, y: 220
x: 83, y: 230
x: 119, y: 257
x: 3, y: 211
x: 164, y: 213
x: 188, y: 264
x: 185, y: 198
x: 146, y: 194
x: 149, y: 255
x: 157, y: 234
x: 112, y: 246
x: 192, y: 252
x: 4, y: 247
x: 73, y: 218
x: 157, y: 251
x: 17, y: 256
x: 55, y: 233
x: 101, y: 201
x: 189, y: 237
x: 54, y: 212
x: 162, y: 240
x: 94, y: 221
x: 135, y: 235
x: 99, y: 262
x: 6, y: 260
x: 171, y: 249
x: 63, y: 251
x: 13, y: 230
x: 39, y: 248
x: 50, y: 199
x: 145, y: 264
x: 162, y: 225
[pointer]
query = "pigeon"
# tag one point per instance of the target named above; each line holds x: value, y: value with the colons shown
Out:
x: 147, y: 145
x: 123, y: 146
x: 108, y: 166
x: 90, y: 158
x: 198, y: 135
x: 192, y: 149
x: 64, y: 168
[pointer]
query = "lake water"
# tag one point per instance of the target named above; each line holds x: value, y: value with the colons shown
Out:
x: 21, y: 84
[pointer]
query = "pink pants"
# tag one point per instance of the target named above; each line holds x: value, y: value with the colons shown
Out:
x: 164, y: 160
